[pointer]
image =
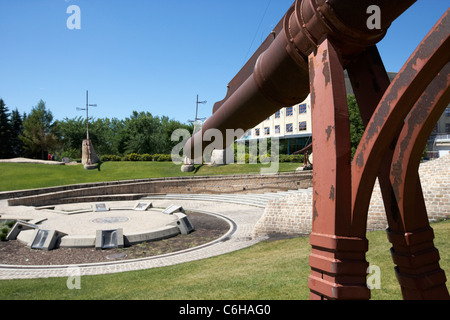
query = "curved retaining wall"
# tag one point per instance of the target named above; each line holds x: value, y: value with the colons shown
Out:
x: 130, y: 190
x: 292, y: 214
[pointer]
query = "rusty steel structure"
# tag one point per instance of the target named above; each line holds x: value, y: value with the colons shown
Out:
x: 307, y: 53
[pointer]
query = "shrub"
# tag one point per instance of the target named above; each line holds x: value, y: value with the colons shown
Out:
x: 110, y: 157
x: 266, y: 159
x: 132, y: 157
x: 137, y: 157
x: 290, y: 158
x: 162, y: 157
x: 146, y: 157
x: 5, y: 227
x: 10, y: 224
x: 241, y: 158
x: 165, y: 157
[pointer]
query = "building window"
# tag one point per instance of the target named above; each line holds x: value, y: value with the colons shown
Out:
x: 268, y: 119
x: 302, y: 126
x: 277, y: 129
x: 278, y: 114
x: 447, y: 112
x: 289, y: 128
x: 302, y: 108
x: 289, y: 111
x: 257, y: 132
x: 267, y: 131
x: 447, y: 128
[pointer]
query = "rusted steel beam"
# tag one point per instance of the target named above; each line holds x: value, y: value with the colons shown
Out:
x: 370, y: 81
x: 413, y: 251
x: 338, y: 265
x: 277, y: 75
x: 428, y: 59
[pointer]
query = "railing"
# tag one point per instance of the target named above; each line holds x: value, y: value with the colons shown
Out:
x: 442, y: 137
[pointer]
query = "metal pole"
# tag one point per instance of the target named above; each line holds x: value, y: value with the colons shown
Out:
x: 196, y: 110
x: 87, y: 114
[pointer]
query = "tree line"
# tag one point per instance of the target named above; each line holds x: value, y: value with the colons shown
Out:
x: 37, y: 134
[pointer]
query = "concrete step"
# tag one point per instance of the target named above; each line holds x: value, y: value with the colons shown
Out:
x: 258, y: 200
x: 231, y: 199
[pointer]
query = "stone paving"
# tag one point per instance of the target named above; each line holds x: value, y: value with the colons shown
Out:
x: 242, y: 219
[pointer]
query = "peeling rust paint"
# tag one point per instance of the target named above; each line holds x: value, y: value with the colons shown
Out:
x: 311, y: 76
x: 329, y: 131
x: 359, y: 159
x: 315, y: 213
x: 326, y: 68
x: 332, y: 193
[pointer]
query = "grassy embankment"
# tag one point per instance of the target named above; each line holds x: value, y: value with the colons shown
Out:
x: 22, y: 176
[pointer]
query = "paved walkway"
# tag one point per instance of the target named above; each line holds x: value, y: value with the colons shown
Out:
x: 242, y: 212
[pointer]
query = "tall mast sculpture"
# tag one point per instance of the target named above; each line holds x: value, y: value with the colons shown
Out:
x: 89, y: 157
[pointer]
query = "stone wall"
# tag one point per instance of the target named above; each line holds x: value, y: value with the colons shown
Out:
x: 292, y: 215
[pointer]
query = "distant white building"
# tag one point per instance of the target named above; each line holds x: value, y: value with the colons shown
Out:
x: 439, y: 141
x: 292, y: 125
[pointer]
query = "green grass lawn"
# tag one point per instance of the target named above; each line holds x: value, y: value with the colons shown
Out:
x: 23, y: 176
x: 276, y: 270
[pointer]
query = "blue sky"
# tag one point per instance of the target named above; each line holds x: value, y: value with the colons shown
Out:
x: 149, y: 55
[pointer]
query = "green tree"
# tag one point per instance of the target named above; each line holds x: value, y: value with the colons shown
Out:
x: 5, y: 131
x: 169, y: 126
x: 143, y: 134
x: 140, y: 133
x: 38, y: 135
x: 356, y: 124
x: 71, y: 133
x: 106, y: 135
x: 16, y: 131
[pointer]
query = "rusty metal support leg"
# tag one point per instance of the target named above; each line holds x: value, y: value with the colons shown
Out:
x: 413, y: 251
x: 420, y: 70
x: 337, y: 261
x: 388, y: 119
x: 370, y: 81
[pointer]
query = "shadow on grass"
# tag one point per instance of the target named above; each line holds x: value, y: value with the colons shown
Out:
x: 197, y: 168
